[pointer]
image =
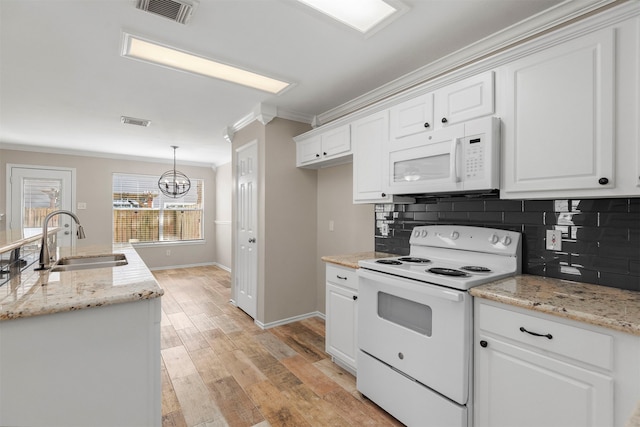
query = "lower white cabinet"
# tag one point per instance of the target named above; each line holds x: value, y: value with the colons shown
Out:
x: 97, y: 366
x: 532, y: 369
x: 342, y: 316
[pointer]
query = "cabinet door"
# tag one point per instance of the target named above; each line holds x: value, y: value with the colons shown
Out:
x: 369, y: 136
x: 465, y: 100
x: 309, y: 150
x: 518, y: 387
x: 558, y: 121
x: 341, y: 323
x: 411, y: 117
x: 336, y: 141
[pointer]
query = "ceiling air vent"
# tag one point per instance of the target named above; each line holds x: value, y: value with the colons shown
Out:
x: 179, y: 11
x: 133, y: 121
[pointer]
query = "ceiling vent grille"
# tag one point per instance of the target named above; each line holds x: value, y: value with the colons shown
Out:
x: 179, y: 11
x: 133, y: 121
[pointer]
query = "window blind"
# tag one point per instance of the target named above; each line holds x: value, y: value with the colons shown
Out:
x: 141, y: 213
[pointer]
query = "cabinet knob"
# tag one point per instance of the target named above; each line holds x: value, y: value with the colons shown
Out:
x: 483, y: 343
x: 426, y: 125
x: 444, y: 120
x: 603, y: 181
x: 384, y: 194
x: 317, y: 155
x: 324, y: 153
x: 355, y: 297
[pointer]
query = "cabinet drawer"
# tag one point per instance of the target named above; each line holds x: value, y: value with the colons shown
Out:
x: 342, y: 276
x: 573, y: 342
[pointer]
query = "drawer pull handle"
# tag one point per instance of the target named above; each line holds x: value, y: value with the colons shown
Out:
x: 340, y: 277
x: 522, y: 329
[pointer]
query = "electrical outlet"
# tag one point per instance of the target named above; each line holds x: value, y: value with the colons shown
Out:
x: 82, y: 205
x: 168, y: 252
x: 554, y: 240
x: 331, y: 224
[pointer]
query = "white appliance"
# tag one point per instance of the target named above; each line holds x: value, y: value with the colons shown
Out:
x: 415, y: 321
x: 461, y: 157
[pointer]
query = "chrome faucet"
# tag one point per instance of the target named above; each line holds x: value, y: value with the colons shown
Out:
x: 45, y: 258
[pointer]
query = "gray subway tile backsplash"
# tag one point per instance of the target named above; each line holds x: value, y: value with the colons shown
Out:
x: 600, y: 237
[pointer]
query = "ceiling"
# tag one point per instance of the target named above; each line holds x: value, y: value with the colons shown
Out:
x: 64, y: 84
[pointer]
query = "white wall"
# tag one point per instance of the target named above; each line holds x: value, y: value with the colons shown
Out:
x: 94, y: 187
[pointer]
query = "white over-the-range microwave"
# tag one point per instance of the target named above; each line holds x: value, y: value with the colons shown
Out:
x: 462, y: 157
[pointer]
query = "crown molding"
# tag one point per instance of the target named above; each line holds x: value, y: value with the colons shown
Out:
x: 509, y: 37
x: 85, y: 153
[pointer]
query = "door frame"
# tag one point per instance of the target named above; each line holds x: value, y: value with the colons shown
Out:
x: 9, y: 190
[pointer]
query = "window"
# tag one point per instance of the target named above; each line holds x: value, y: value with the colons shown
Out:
x: 141, y: 213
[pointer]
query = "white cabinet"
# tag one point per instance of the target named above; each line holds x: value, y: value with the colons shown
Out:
x: 369, y: 134
x: 97, y: 366
x: 533, y: 369
x: 465, y: 100
x: 342, y: 315
x: 570, y: 113
x: 327, y: 148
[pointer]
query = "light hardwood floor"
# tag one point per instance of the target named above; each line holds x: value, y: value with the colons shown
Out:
x: 220, y: 369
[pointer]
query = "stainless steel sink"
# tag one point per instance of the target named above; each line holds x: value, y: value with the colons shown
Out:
x: 87, y: 262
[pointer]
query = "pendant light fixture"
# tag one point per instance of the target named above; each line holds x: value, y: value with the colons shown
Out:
x: 174, y: 183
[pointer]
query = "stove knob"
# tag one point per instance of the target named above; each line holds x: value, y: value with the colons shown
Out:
x: 424, y: 233
x: 416, y: 233
x: 506, y: 240
x: 494, y: 239
x: 454, y: 235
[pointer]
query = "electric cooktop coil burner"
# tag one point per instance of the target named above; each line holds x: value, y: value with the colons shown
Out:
x: 414, y: 260
x: 388, y: 261
x: 447, y: 272
x: 476, y: 269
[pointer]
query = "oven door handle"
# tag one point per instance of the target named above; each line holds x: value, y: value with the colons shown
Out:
x: 431, y: 290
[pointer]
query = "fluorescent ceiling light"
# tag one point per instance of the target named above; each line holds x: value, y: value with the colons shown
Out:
x: 363, y: 15
x: 144, y: 50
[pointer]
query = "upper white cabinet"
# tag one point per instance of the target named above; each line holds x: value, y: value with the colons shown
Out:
x: 570, y: 112
x: 327, y: 148
x: 465, y: 100
x: 410, y: 121
x: 369, y: 136
x: 411, y: 117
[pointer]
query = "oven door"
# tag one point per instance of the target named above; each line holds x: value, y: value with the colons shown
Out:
x: 421, y: 330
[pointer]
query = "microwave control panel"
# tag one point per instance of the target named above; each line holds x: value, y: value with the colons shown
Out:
x: 474, y: 158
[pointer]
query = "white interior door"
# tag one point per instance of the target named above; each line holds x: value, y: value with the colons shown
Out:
x: 246, y: 271
x: 33, y: 192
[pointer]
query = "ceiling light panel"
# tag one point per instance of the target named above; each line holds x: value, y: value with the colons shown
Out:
x: 362, y: 15
x: 152, y: 52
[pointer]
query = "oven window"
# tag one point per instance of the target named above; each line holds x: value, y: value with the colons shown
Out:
x: 404, y: 312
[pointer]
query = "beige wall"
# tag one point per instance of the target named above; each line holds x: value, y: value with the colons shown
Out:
x: 224, y: 184
x: 287, y: 220
x: 93, y: 187
x: 353, y: 224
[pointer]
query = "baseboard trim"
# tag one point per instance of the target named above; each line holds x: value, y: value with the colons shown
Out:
x: 289, y: 320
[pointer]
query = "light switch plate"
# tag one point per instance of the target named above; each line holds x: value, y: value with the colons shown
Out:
x: 554, y: 240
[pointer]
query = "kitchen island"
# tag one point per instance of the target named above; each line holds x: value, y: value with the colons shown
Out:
x: 81, y: 347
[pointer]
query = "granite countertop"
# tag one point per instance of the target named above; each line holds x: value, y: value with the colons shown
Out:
x: 13, y: 239
x: 611, y: 308
x: 34, y: 293
x: 351, y: 260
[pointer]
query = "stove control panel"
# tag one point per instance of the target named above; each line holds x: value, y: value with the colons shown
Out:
x: 479, y: 239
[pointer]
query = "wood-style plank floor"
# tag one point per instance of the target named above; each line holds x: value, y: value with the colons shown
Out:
x: 220, y: 369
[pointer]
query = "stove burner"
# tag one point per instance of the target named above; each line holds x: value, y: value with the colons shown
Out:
x: 447, y: 272
x: 476, y: 269
x: 414, y: 260
x: 388, y: 261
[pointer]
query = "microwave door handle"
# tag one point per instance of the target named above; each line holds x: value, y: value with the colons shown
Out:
x: 454, y: 159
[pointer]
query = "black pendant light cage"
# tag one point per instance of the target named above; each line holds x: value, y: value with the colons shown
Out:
x: 174, y: 183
